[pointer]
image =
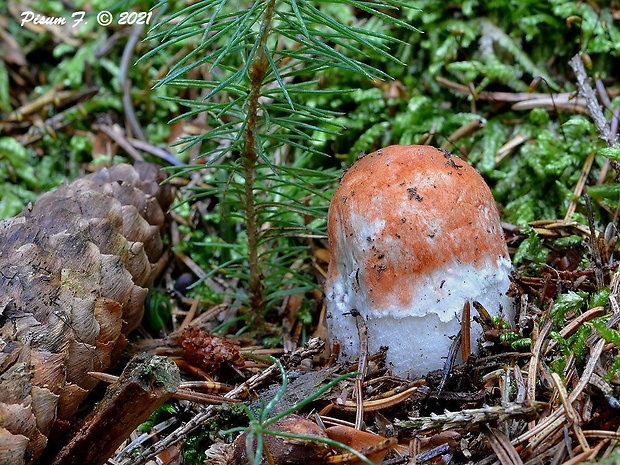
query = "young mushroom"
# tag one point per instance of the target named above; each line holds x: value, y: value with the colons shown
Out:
x: 414, y: 233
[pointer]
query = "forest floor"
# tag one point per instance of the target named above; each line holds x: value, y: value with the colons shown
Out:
x: 528, y: 95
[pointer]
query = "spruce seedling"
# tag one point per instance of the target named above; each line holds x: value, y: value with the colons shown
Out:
x: 262, y: 64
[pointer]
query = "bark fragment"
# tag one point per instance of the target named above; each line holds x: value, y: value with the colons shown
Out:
x: 146, y: 383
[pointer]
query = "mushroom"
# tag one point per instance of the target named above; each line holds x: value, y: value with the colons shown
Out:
x: 414, y: 233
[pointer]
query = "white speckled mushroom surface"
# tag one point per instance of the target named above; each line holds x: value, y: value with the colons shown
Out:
x: 414, y: 232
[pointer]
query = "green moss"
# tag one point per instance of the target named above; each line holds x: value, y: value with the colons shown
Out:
x: 531, y: 249
x: 567, y: 303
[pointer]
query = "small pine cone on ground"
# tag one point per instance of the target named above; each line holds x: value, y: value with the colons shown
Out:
x: 208, y: 352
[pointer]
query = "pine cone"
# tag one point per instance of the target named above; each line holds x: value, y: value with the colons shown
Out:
x: 209, y: 352
x: 74, y: 272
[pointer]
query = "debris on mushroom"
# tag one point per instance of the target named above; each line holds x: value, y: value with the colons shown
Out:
x: 414, y: 233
